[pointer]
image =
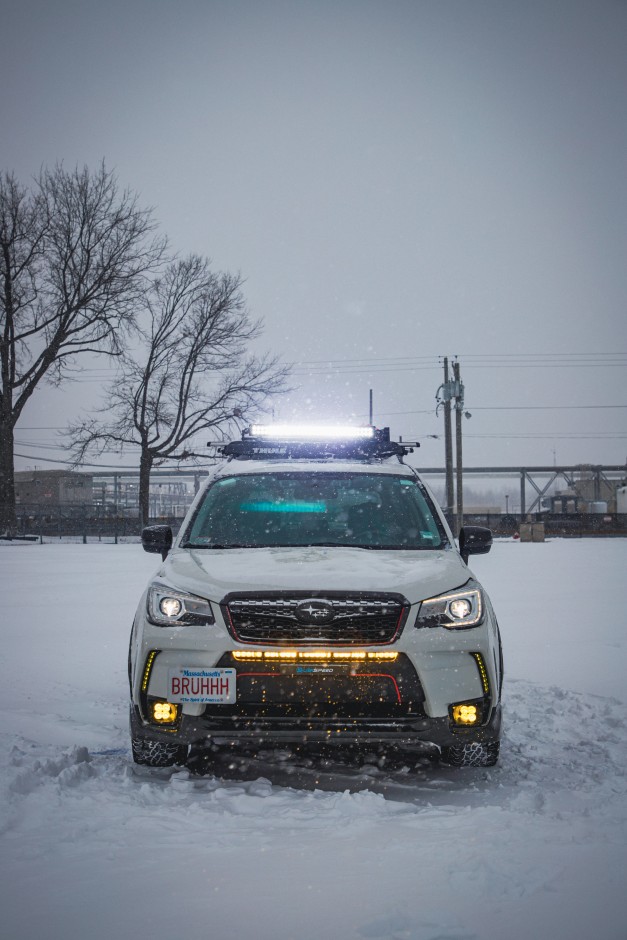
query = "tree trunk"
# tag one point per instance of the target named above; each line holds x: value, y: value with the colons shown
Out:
x: 8, y: 520
x: 145, y: 466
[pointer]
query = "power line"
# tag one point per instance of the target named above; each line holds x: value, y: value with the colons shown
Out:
x: 382, y: 367
x: 382, y: 364
x: 502, y: 360
x: 592, y: 436
x: 95, y: 466
x: 69, y: 463
x: 536, y: 356
x: 431, y: 411
x: 540, y: 407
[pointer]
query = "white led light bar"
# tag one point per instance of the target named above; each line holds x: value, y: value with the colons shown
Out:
x: 311, y: 432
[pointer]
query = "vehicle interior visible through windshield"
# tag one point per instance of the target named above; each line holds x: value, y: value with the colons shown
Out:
x: 365, y: 510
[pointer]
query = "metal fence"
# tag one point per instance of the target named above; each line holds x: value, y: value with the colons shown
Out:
x: 92, y: 522
x: 564, y: 525
x: 83, y: 521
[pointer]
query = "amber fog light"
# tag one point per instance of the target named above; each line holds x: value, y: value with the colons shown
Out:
x: 466, y: 713
x: 164, y: 713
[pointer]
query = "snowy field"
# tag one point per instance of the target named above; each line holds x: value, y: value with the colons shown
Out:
x: 280, y: 847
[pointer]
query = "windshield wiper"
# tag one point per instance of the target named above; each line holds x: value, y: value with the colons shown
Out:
x: 217, y: 545
x: 378, y: 548
x: 370, y: 548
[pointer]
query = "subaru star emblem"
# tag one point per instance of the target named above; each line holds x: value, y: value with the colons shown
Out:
x: 314, y: 612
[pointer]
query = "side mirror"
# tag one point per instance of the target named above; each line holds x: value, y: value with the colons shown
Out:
x: 157, y: 539
x: 474, y: 540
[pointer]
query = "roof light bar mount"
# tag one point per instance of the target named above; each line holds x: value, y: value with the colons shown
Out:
x: 315, y: 442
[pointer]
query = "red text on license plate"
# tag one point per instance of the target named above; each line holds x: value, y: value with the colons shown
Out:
x: 197, y: 685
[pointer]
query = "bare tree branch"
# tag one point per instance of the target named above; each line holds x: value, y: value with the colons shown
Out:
x: 190, y: 375
x: 75, y: 257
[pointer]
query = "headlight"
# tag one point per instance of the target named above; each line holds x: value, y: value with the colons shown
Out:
x: 460, y: 609
x: 170, y: 608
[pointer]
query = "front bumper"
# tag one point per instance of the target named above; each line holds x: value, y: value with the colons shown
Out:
x: 407, y: 704
x: 263, y: 730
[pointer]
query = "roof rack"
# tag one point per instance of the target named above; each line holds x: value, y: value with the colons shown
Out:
x: 263, y: 442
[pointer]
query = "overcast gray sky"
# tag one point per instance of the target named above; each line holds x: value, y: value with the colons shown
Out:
x: 397, y: 181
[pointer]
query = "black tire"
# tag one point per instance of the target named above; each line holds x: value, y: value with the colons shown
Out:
x: 472, y: 754
x: 157, y: 753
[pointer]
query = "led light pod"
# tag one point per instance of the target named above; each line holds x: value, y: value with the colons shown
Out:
x: 164, y: 713
x: 466, y: 713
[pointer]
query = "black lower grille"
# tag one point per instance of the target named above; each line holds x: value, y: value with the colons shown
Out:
x: 325, y: 687
x: 322, y: 618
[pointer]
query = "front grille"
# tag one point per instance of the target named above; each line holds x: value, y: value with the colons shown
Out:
x: 350, y: 619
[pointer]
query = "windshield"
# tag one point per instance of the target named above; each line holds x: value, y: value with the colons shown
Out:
x: 362, y: 510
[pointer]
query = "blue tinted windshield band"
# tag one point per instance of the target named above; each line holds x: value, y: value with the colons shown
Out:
x: 283, y: 507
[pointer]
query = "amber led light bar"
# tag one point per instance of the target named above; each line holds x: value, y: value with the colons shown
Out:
x: 325, y: 656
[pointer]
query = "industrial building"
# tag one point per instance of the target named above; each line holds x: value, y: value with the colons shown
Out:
x: 53, y: 488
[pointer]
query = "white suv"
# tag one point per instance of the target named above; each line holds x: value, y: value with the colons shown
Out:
x: 315, y: 594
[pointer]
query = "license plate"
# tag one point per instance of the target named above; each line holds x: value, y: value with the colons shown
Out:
x: 194, y: 685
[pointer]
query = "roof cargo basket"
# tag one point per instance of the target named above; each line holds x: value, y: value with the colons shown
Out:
x: 314, y: 442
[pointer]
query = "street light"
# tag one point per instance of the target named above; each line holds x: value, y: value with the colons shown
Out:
x: 506, y: 504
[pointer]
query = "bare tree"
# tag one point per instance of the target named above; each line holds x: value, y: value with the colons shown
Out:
x: 74, y: 255
x: 191, y: 373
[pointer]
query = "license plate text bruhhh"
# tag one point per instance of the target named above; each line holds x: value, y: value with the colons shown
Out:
x: 189, y: 685
x: 199, y: 685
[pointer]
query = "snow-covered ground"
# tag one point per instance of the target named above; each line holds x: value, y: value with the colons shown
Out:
x: 92, y: 847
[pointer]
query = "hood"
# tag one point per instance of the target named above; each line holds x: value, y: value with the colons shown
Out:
x: 214, y: 573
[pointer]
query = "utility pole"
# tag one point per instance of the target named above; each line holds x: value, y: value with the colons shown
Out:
x: 453, y: 390
x: 370, y: 410
x: 459, y: 406
x: 448, y: 441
